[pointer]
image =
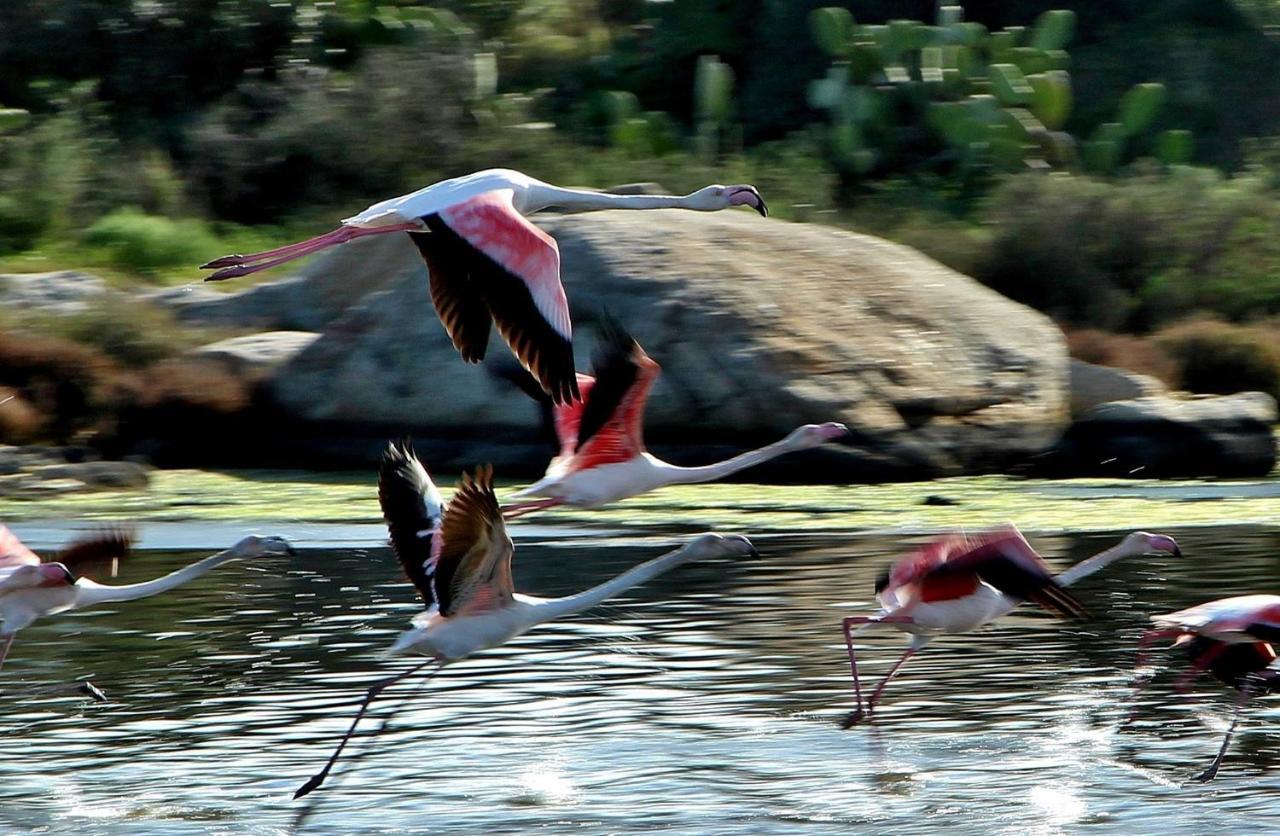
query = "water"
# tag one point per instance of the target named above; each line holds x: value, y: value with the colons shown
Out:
x: 705, y: 701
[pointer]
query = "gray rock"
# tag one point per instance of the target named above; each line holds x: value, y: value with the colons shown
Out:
x: 121, y: 474
x: 1092, y: 385
x: 255, y: 356
x: 760, y: 326
x: 60, y: 292
x: 1165, y: 437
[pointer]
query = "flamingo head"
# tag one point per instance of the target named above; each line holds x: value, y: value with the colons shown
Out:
x: 253, y: 546
x: 715, y: 198
x: 716, y: 545
x: 1142, y: 542
x: 814, y: 435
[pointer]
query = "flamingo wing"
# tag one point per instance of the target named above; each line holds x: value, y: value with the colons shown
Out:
x: 486, y: 255
x: 411, y: 506
x: 567, y: 417
x: 13, y: 552
x: 108, y: 545
x: 1233, y: 619
x: 611, y: 427
x: 474, y: 569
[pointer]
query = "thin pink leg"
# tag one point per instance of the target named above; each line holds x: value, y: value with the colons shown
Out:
x: 8, y: 642
x: 875, y: 695
x: 510, y: 512
x: 856, y: 716
x: 1140, y: 679
x: 244, y: 265
x: 1151, y: 637
x: 1199, y: 666
x: 1212, y: 772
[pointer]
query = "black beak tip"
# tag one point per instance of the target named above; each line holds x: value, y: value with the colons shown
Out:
x: 91, y: 690
x: 1177, y: 551
x: 763, y: 208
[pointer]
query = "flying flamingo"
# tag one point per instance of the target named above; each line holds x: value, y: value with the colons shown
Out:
x: 487, y: 263
x: 459, y: 558
x: 959, y: 583
x: 30, y: 588
x: 602, y: 454
x: 1231, y: 638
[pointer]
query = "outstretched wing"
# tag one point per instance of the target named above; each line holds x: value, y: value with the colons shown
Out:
x: 13, y: 552
x: 109, y: 545
x: 474, y: 571
x: 611, y: 426
x: 481, y: 251
x: 411, y: 506
x: 1004, y: 559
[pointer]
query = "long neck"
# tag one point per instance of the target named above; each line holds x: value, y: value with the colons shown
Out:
x: 577, y: 200
x: 556, y: 607
x: 1087, y: 567
x: 89, y: 593
x: 711, y: 472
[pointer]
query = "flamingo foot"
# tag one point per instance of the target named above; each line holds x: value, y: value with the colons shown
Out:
x: 92, y: 691
x: 854, y: 717
x: 1207, y: 776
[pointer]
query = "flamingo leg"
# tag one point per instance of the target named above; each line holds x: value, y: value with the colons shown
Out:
x: 318, y: 779
x: 1140, y: 679
x: 242, y: 265
x: 519, y: 509
x: 1199, y: 666
x: 856, y: 716
x: 875, y: 695
x: 1210, y: 773
x: 4, y: 651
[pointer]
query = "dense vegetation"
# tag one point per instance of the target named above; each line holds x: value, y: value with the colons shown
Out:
x: 1109, y: 163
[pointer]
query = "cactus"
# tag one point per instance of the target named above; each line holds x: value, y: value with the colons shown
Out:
x: 1139, y: 107
x: 12, y: 118
x: 832, y: 29
x: 1175, y: 147
x: 1053, y: 29
x: 713, y: 100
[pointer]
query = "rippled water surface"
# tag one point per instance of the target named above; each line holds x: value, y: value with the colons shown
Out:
x: 704, y: 701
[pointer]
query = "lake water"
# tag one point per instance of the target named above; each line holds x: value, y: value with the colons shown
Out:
x: 703, y: 702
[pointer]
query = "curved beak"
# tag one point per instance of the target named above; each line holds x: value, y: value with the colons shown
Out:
x: 761, y: 206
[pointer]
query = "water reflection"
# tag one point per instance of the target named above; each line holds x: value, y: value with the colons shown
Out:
x: 703, y: 701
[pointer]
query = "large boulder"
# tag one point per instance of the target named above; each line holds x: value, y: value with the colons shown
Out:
x: 760, y: 325
x: 59, y: 292
x: 255, y: 356
x: 1162, y: 437
x: 1094, y: 385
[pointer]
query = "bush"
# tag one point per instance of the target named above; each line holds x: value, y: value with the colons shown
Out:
x: 70, y: 383
x: 1123, y: 351
x: 130, y: 332
x: 144, y: 243
x: 1221, y: 358
x: 20, y: 422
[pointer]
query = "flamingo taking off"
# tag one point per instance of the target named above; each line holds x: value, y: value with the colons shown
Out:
x: 487, y: 263
x: 1231, y: 638
x: 30, y: 588
x: 602, y: 454
x: 459, y: 559
x: 959, y: 583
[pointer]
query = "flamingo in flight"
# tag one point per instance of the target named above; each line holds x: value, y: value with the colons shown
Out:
x: 959, y: 583
x: 459, y: 558
x: 31, y: 588
x: 487, y: 263
x: 1232, y: 639
x: 602, y: 454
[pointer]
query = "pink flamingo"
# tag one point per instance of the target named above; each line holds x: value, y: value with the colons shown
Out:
x: 602, y: 454
x: 30, y: 588
x: 459, y: 558
x: 487, y: 263
x: 1231, y: 638
x: 959, y: 583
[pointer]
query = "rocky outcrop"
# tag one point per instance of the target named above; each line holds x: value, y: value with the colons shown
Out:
x: 1093, y: 385
x: 255, y: 356
x: 1159, y: 437
x: 32, y: 472
x: 60, y: 292
x: 759, y: 325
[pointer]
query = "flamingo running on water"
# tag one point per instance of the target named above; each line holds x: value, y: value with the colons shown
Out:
x: 30, y: 588
x: 602, y: 454
x: 459, y: 558
x: 959, y: 583
x: 1231, y: 638
x: 487, y: 263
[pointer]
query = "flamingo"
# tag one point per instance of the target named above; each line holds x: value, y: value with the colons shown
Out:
x: 1231, y: 638
x: 30, y: 588
x: 602, y: 454
x: 487, y: 263
x: 958, y: 583
x: 459, y: 559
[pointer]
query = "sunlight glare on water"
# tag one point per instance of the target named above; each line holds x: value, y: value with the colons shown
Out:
x: 703, y: 701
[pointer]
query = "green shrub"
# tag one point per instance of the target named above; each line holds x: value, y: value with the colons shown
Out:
x: 1221, y: 358
x: 141, y: 243
x: 133, y: 333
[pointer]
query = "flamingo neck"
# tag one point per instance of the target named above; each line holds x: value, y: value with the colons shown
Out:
x: 1101, y: 560
x: 89, y: 592
x: 556, y: 607
x: 719, y: 470
x: 580, y: 200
